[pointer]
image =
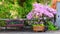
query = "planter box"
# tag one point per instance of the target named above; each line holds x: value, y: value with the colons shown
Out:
x: 38, y: 28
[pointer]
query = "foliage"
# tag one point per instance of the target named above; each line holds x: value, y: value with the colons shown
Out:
x: 7, y: 7
x: 38, y: 25
x: 51, y: 26
x: 44, y: 1
x: 21, y: 8
x: 2, y: 23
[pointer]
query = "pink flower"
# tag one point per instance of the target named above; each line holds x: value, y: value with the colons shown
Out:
x: 40, y: 9
x: 51, y: 10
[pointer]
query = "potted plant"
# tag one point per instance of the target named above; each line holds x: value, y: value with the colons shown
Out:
x: 38, y: 26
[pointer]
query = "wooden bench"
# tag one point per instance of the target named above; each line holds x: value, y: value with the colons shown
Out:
x: 14, y: 23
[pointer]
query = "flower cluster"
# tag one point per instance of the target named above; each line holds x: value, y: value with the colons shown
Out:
x: 40, y: 9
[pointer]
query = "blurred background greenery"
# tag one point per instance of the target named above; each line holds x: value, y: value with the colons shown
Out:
x: 13, y: 9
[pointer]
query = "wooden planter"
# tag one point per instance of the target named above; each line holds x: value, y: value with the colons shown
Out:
x: 38, y: 28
